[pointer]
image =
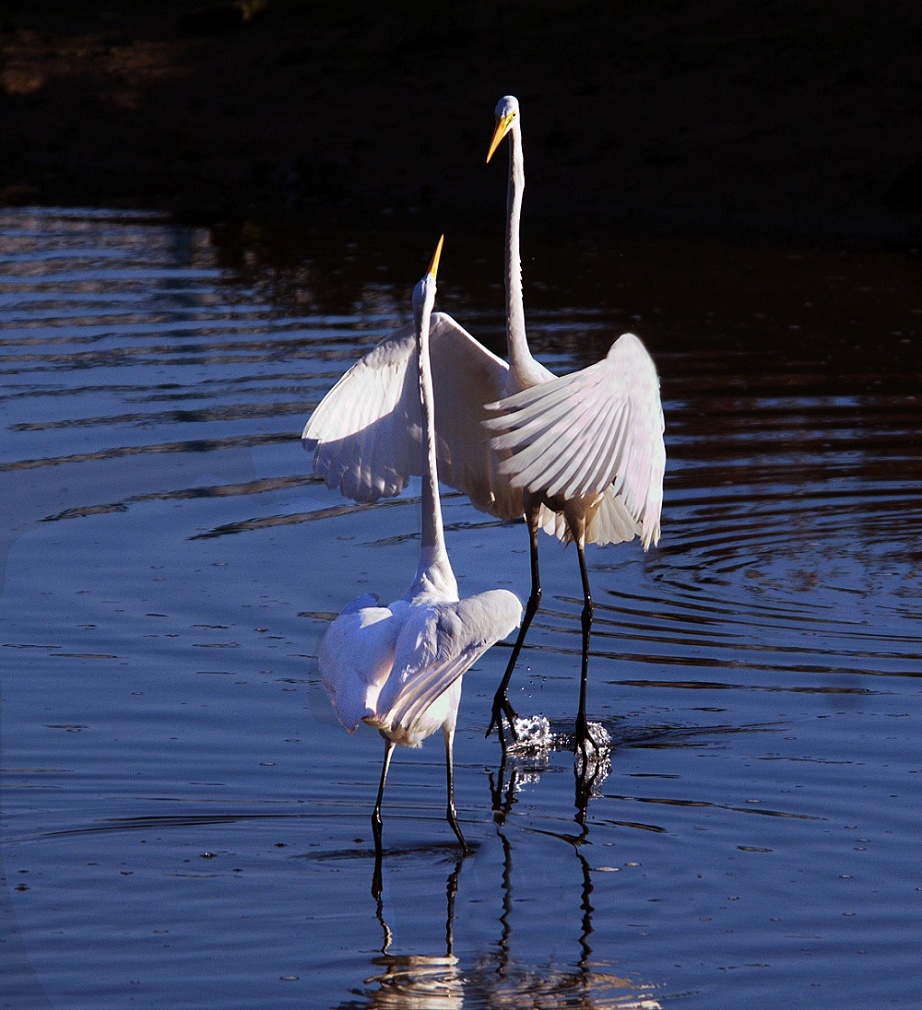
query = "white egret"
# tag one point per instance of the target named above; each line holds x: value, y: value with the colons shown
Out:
x: 398, y: 668
x: 586, y: 447
x: 589, y: 470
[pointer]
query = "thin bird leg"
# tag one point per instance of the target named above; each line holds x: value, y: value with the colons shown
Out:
x: 501, y: 705
x: 583, y: 736
x: 376, y: 814
x: 449, y: 733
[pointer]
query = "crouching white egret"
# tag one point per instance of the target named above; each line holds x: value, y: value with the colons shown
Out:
x: 398, y: 668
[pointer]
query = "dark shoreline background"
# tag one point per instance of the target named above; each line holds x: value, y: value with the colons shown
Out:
x: 774, y: 121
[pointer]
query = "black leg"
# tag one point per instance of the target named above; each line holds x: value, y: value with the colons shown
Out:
x: 376, y: 881
x: 501, y: 705
x: 376, y: 813
x: 450, y: 772
x: 586, y: 773
x: 583, y: 736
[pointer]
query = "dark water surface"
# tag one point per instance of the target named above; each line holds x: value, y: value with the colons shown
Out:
x: 184, y: 822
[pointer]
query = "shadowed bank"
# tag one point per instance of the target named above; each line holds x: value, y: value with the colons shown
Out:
x: 671, y: 119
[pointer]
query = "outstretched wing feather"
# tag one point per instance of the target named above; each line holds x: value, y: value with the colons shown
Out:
x: 606, y: 425
x: 366, y: 433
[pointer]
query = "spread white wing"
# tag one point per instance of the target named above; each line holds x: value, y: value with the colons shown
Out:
x: 596, y: 431
x: 366, y: 433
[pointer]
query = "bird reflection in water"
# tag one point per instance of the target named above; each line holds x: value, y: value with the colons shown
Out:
x: 581, y: 986
x: 420, y: 981
x: 494, y: 977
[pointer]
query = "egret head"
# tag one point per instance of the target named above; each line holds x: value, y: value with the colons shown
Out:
x: 507, y: 112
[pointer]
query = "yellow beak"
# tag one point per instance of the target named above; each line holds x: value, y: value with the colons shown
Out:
x: 502, y: 128
x: 434, y: 265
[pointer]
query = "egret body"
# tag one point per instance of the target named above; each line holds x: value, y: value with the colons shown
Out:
x: 581, y: 456
x: 586, y: 448
x: 398, y: 668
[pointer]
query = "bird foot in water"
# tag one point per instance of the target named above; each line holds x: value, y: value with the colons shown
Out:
x: 592, y: 746
x: 502, y: 709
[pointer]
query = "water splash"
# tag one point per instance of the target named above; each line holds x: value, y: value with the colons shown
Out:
x: 533, y: 736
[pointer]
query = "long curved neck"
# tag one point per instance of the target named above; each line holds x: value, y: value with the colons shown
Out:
x: 434, y: 571
x: 519, y: 355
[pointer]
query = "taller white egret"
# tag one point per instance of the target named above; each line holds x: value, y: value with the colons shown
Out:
x: 398, y: 668
x: 586, y: 448
x: 581, y: 456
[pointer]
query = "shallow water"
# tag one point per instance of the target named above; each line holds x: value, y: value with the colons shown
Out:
x: 184, y: 821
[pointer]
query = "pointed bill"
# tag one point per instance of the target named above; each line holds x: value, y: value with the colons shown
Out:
x: 434, y: 265
x: 503, y: 125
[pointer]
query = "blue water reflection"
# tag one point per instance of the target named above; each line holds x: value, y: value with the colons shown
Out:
x: 184, y: 821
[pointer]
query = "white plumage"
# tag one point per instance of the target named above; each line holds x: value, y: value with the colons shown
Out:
x: 587, y: 447
x: 569, y: 435
x: 581, y: 456
x: 398, y: 668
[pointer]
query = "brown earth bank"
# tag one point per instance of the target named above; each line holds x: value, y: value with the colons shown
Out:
x: 765, y: 121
